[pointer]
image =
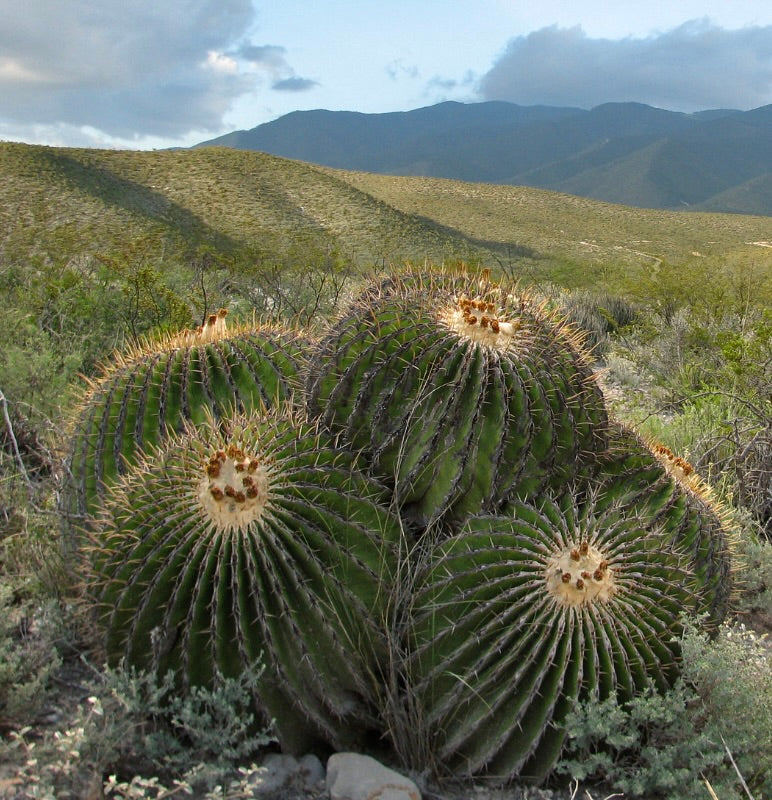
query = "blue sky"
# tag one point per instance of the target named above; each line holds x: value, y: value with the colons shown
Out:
x: 157, y: 73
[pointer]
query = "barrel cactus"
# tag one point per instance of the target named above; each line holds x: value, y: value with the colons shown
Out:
x: 522, y: 614
x: 254, y: 536
x: 149, y: 392
x: 666, y: 487
x: 458, y: 392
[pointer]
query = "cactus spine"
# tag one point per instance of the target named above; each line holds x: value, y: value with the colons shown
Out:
x: 260, y: 538
x: 154, y: 389
x: 520, y: 614
x: 457, y: 392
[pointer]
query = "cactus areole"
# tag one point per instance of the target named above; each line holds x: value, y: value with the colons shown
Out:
x: 233, y: 489
x: 579, y: 575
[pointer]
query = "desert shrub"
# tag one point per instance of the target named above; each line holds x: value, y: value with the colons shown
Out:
x: 709, y: 383
x: 754, y: 554
x: 715, y: 724
x: 147, y: 718
x: 28, y: 658
x: 597, y: 315
x: 135, y: 725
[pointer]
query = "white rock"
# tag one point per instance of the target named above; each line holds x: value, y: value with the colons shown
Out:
x: 351, y: 776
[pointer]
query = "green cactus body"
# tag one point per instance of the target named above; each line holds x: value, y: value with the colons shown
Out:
x: 263, y: 539
x: 656, y: 482
x: 521, y: 614
x: 153, y: 391
x: 456, y: 402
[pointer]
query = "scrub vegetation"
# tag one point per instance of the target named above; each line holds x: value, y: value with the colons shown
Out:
x: 104, y: 252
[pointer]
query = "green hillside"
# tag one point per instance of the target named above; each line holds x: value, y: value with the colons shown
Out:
x: 68, y: 202
x: 740, y: 198
x: 572, y: 240
x: 61, y: 204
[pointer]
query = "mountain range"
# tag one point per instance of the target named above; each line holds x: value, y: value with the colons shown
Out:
x: 628, y: 153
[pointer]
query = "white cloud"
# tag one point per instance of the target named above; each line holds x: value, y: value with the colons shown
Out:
x: 126, y: 69
x: 14, y: 71
x: 219, y: 62
x: 694, y: 66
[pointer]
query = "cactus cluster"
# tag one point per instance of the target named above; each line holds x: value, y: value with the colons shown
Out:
x: 426, y: 515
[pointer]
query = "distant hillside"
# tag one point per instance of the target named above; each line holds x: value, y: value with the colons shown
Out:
x: 66, y: 206
x: 64, y: 203
x: 618, y: 152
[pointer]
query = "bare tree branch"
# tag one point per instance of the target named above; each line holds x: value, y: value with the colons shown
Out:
x: 12, y: 438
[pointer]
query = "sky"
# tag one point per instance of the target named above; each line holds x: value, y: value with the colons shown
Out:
x: 147, y: 74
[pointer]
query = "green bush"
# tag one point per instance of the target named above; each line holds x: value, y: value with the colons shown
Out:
x: 151, y: 720
x: 597, y: 315
x: 715, y: 724
x: 135, y: 725
x: 28, y: 658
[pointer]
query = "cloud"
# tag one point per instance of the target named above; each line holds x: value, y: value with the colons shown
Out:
x: 294, y: 84
x: 269, y: 57
x: 128, y: 69
x: 272, y: 59
x: 694, y: 66
x: 398, y: 69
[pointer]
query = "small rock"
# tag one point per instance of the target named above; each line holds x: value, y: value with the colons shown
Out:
x: 311, y: 771
x: 351, y: 776
x: 276, y: 771
x: 279, y: 771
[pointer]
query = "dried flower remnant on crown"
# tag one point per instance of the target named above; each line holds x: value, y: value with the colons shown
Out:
x: 675, y: 463
x: 234, y: 488
x: 478, y: 320
x: 214, y: 328
x: 579, y: 575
